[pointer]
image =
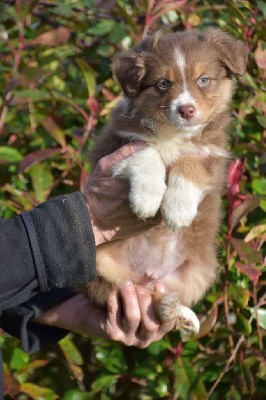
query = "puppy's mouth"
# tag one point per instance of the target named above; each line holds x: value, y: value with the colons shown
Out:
x: 186, y: 118
x: 185, y: 124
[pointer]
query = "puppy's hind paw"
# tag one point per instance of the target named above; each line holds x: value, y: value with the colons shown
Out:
x: 170, y: 308
x: 186, y: 321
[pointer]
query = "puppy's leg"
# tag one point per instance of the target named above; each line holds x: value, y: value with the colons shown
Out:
x: 187, y: 183
x: 186, y: 286
x: 168, y: 308
x: 146, y: 173
x: 111, y: 274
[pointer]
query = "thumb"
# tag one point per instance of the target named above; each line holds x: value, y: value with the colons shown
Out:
x: 106, y: 164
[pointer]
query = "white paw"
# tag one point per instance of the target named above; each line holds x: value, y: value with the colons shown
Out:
x: 146, y: 199
x: 146, y: 173
x: 186, y: 320
x: 170, y: 308
x: 178, y: 212
x: 180, y: 203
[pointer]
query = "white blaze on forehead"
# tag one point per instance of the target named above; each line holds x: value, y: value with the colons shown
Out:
x: 181, y: 63
x: 180, y: 59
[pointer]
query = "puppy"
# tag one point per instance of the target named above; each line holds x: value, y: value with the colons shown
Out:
x: 177, y: 88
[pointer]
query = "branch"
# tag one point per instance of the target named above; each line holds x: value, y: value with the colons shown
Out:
x: 228, y: 365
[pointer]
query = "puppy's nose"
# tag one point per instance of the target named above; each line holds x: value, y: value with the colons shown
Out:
x: 187, y: 111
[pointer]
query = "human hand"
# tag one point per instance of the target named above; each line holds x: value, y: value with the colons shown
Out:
x: 107, y: 200
x: 130, y: 320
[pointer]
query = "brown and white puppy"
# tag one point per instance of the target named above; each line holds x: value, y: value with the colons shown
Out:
x: 177, y: 88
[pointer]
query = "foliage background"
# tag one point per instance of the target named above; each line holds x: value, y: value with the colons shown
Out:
x: 57, y: 91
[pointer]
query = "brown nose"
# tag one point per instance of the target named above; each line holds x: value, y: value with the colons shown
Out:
x: 187, y: 111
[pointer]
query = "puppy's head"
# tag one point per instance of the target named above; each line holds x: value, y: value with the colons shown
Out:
x: 183, y: 79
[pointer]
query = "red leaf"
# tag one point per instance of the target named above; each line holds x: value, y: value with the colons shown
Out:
x: 93, y: 105
x: 84, y: 177
x: 234, y: 175
x: 260, y: 56
x: 11, y: 385
x: 36, y: 157
x: 239, y: 210
x: 208, y: 323
x: 246, y: 252
x: 54, y: 37
x: 55, y: 131
x: 252, y: 272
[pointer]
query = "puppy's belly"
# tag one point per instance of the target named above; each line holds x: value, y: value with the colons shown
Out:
x: 150, y: 256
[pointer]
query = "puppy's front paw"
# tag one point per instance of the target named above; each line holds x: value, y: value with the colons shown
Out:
x: 146, y: 199
x: 146, y: 172
x: 180, y: 203
x: 178, y: 212
x: 170, y: 308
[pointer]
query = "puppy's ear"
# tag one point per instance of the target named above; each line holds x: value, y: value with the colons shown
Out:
x: 232, y: 52
x: 129, y: 70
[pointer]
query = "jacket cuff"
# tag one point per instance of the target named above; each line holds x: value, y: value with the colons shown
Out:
x: 18, y: 321
x: 62, y: 242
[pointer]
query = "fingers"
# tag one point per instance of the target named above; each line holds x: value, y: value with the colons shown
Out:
x: 132, y: 315
x: 133, y: 321
x: 105, y: 165
x: 149, y: 322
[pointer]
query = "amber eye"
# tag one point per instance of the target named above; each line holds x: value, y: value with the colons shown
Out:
x: 203, y: 81
x: 163, y: 84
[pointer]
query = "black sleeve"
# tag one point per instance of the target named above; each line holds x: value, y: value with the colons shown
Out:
x: 18, y: 321
x: 49, y: 247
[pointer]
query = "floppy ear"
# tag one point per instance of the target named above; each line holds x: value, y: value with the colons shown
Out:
x: 232, y: 52
x: 129, y: 70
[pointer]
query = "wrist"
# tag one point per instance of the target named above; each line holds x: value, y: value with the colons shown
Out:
x: 74, y: 315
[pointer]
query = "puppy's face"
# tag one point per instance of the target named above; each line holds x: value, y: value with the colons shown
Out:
x: 182, y: 79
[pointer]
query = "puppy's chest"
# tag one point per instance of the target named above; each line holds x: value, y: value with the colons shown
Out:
x: 172, y: 149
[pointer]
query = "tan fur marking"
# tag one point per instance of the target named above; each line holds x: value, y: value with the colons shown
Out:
x: 192, y: 169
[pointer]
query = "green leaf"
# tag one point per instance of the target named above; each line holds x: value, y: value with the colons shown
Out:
x: 188, y: 384
x: 262, y: 6
x: 63, y: 9
x: 158, y: 347
x: 239, y: 295
x: 261, y: 315
x: 24, y: 95
x: 37, y: 392
x: 19, y: 359
x: 9, y: 155
x: 102, y: 28
x: 42, y: 180
x: 261, y: 120
x: 259, y: 186
x: 103, y: 381
x: 112, y: 358
x: 71, y: 351
x: 243, y: 325
x: 89, y: 75
x: 76, y: 395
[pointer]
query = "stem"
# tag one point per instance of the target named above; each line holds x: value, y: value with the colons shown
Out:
x: 228, y: 365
